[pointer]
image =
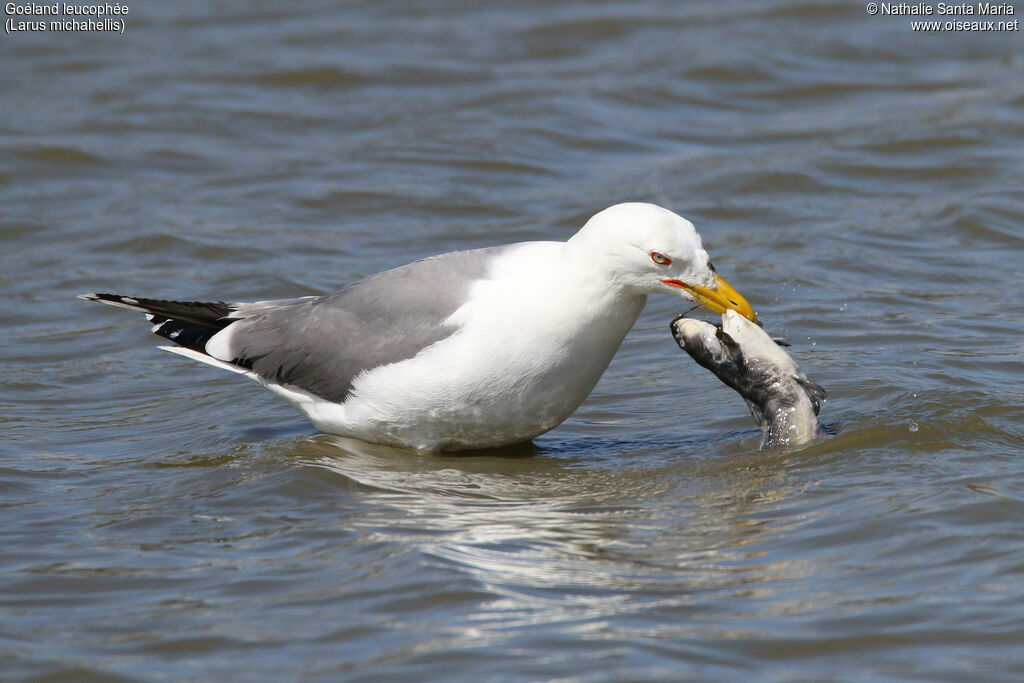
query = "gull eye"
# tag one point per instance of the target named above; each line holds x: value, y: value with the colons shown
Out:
x: 660, y: 258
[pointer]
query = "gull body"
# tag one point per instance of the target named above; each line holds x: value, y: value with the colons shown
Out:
x: 465, y: 350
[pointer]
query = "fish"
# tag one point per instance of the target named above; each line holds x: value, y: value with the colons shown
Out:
x: 741, y: 354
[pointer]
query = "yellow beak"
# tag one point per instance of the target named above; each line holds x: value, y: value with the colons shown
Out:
x: 718, y: 298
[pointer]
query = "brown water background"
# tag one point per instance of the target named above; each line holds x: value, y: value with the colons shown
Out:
x: 861, y: 183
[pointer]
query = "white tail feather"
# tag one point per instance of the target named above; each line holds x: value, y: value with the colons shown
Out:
x: 209, y: 360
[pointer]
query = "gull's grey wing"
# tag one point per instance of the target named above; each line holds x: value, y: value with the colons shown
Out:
x: 320, y: 344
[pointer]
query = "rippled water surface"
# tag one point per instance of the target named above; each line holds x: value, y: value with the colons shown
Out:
x: 861, y: 183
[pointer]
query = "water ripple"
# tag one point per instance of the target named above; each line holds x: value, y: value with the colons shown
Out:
x: 859, y: 182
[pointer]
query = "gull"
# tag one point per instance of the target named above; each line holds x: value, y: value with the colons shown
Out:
x: 470, y: 349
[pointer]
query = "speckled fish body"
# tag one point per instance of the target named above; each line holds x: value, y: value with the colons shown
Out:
x: 745, y: 358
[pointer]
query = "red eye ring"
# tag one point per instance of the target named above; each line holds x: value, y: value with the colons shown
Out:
x: 660, y: 258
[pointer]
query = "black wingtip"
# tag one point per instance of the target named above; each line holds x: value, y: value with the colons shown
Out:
x: 106, y: 298
x: 128, y: 302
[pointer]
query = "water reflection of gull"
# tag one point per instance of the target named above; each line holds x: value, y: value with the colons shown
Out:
x: 537, y: 528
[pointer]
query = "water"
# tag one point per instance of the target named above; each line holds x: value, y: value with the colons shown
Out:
x: 860, y: 183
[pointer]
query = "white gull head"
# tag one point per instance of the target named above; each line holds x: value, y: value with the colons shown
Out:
x: 646, y: 249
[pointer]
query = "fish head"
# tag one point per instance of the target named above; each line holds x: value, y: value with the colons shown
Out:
x: 711, y: 347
